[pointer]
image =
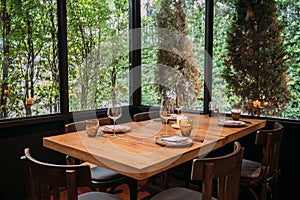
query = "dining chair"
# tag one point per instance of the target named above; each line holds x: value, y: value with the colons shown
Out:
x: 146, y: 116
x: 264, y: 176
x: 45, y: 181
x: 102, y: 178
x: 80, y: 125
x: 223, y: 170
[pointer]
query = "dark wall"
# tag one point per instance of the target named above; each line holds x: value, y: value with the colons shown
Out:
x: 13, y: 140
x: 288, y: 157
x: 12, y: 184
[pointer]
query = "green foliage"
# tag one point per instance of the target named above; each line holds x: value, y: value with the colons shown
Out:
x: 223, y: 19
x: 256, y: 63
x: 98, y: 53
x: 175, y: 50
x: 30, y: 52
x: 32, y: 62
x: 290, y: 14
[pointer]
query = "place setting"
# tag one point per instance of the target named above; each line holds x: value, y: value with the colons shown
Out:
x: 231, y: 123
x: 114, y: 112
x: 234, y: 121
x: 117, y: 129
x: 173, y: 141
x: 93, y: 129
x: 185, y: 125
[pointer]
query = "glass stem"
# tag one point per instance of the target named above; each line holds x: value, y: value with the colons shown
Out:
x: 114, y: 128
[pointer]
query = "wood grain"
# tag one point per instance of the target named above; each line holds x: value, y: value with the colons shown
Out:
x: 137, y: 155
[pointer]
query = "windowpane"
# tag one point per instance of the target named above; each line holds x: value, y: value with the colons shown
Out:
x: 258, y: 58
x: 289, y: 13
x: 224, y: 12
x: 98, y: 52
x: 29, y: 63
x: 173, y: 55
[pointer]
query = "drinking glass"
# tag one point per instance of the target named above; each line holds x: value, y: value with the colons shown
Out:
x: 114, y: 111
x: 91, y: 126
x: 235, y: 114
x: 186, y: 126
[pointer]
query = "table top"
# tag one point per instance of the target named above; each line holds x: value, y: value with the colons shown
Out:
x: 137, y: 155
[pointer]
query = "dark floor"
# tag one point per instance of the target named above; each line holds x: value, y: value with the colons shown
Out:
x: 177, y: 181
x: 148, y: 188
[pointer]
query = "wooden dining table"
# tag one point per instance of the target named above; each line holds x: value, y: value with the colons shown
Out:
x: 136, y: 153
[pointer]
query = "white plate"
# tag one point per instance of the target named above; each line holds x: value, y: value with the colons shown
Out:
x: 231, y: 123
x: 110, y: 129
x: 174, y: 141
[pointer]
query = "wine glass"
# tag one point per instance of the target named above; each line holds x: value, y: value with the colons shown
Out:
x: 114, y: 111
x: 165, y: 110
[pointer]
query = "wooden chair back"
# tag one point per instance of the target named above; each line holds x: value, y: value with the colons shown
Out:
x: 45, y: 180
x: 102, y: 178
x: 225, y: 170
x: 145, y: 116
x: 80, y: 125
x: 271, y: 143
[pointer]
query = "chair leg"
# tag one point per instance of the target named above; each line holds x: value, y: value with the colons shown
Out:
x: 251, y: 191
x: 93, y: 188
x: 187, y: 183
x: 273, y: 190
x: 265, y: 190
x: 114, y: 191
x: 166, y: 179
x: 153, y: 179
x: 101, y: 189
x: 274, y: 186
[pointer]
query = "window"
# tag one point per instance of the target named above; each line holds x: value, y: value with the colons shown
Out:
x: 98, y: 55
x: 97, y: 52
x: 29, y: 64
x: 264, y: 56
x: 222, y: 21
x: 166, y: 63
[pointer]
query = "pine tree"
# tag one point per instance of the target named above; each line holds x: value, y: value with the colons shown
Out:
x: 176, y: 52
x: 256, y: 63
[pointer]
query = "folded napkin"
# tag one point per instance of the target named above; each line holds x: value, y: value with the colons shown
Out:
x: 233, y: 122
x: 175, y: 139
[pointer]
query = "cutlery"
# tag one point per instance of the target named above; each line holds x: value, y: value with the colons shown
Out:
x: 198, y: 140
